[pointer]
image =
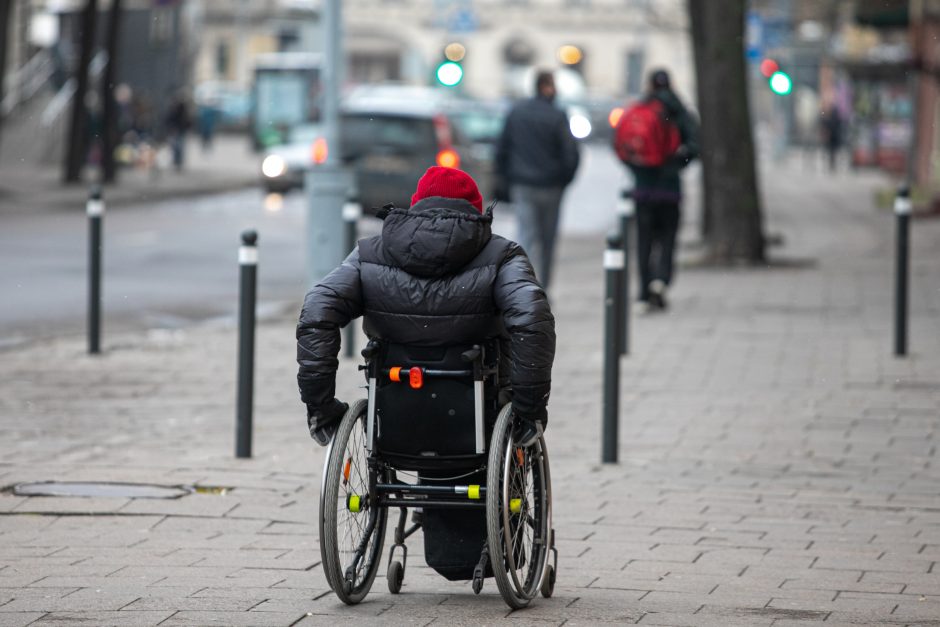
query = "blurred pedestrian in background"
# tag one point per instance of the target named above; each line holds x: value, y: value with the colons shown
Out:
x: 208, y: 115
x: 831, y: 128
x: 656, y: 138
x: 177, y: 125
x: 537, y: 157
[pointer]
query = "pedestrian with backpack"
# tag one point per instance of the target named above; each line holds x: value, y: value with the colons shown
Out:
x: 656, y: 138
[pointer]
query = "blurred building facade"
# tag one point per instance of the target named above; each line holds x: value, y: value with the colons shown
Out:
x: 403, y: 40
x: 153, y: 62
x: 619, y: 42
x: 876, y: 62
x: 234, y: 32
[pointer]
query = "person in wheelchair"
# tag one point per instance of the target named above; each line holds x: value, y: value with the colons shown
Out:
x: 436, y: 276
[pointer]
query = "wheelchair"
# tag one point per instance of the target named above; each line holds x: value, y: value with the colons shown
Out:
x: 433, y: 436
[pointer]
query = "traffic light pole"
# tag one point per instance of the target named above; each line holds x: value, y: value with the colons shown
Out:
x: 327, y: 184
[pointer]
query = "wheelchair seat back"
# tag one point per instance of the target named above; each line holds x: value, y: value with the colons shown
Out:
x: 431, y: 424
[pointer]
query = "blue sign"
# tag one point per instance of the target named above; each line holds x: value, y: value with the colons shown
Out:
x: 463, y: 21
x: 754, y: 36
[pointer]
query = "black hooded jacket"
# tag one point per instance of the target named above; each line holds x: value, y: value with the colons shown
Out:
x: 436, y: 276
x: 536, y: 146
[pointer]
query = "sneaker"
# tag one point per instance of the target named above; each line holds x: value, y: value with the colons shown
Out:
x: 641, y: 307
x: 323, y: 435
x: 658, y: 295
x: 527, y: 432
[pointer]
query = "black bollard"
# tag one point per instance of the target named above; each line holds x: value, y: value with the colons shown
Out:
x: 625, y: 208
x: 95, y: 210
x: 248, y: 269
x: 613, y: 328
x: 352, y: 211
x: 902, y: 209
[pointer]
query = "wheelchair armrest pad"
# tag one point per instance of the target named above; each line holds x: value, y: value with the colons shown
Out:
x: 471, y: 355
x: 371, y: 349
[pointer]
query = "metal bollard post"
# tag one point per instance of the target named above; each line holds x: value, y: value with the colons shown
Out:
x: 95, y: 210
x: 613, y: 328
x: 902, y: 209
x: 248, y: 270
x: 352, y: 211
x: 625, y: 208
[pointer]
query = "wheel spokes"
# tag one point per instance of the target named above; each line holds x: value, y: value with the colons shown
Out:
x: 521, y: 525
x: 355, y: 525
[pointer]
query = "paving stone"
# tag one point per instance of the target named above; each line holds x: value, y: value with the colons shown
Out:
x: 103, y: 601
x: 18, y: 619
x: 103, y: 619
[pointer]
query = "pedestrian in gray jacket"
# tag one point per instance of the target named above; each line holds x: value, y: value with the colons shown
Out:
x: 436, y: 276
x: 537, y: 157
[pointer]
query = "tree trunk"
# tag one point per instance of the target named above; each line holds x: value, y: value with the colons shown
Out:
x: 731, y: 210
x: 109, y: 129
x: 77, y: 141
x: 5, y: 6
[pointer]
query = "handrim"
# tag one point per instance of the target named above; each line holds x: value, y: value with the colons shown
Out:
x: 517, y: 594
x: 348, y: 447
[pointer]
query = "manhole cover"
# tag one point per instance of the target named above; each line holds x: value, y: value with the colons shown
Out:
x: 105, y: 489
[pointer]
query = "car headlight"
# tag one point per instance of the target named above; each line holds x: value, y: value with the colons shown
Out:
x: 580, y: 126
x: 273, y: 166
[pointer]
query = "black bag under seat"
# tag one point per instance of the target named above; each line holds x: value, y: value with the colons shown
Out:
x: 454, y: 538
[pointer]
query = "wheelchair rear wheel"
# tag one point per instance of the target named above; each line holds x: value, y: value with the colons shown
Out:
x: 518, y: 513
x: 352, y: 527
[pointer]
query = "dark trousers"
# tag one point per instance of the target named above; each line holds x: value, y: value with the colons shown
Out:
x: 537, y: 212
x: 656, y: 226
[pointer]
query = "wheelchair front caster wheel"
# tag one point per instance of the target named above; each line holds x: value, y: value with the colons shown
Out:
x: 477, y: 584
x: 548, y: 584
x: 395, y: 576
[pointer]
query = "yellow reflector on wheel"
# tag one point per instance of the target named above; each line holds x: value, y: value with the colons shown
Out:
x: 353, y: 503
x: 515, y: 505
x: 473, y: 492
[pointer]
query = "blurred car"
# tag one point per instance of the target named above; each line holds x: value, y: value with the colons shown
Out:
x: 390, y: 136
x: 283, y: 166
x: 589, y: 117
x: 389, y: 145
x: 481, y: 123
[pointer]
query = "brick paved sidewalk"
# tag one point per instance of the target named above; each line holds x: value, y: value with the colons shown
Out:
x: 778, y: 465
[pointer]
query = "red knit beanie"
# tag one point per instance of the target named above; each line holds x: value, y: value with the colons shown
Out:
x: 448, y: 183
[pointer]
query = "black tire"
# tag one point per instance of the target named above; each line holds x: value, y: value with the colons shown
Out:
x: 338, y: 545
x: 395, y: 576
x: 516, y: 474
x: 548, y: 583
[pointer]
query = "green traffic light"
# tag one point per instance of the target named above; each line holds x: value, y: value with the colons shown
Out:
x: 780, y: 83
x: 449, y: 73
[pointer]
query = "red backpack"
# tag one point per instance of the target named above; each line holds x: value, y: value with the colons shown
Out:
x: 645, y: 136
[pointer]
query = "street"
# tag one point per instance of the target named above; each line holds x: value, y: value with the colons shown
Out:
x: 173, y: 262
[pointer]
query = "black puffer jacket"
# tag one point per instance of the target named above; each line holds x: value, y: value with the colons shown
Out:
x: 536, y: 146
x: 436, y: 276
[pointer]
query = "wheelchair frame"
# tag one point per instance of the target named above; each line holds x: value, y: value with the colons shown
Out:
x: 509, y: 512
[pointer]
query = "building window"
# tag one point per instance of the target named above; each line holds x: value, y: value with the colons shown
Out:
x: 223, y: 58
x: 288, y: 39
x: 161, y: 25
x: 633, y: 82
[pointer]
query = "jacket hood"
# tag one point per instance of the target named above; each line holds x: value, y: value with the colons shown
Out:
x: 436, y: 236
